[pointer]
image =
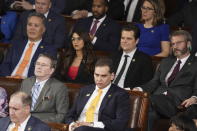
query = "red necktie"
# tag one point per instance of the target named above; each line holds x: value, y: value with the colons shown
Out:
x: 94, y: 27
x: 174, y: 72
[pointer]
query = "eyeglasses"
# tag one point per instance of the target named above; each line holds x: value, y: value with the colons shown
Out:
x: 147, y: 8
x: 177, y: 43
x: 76, y: 38
x: 41, y: 64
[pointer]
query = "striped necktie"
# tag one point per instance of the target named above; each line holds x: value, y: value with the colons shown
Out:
x: 92, y: 108
x: 35, y: 94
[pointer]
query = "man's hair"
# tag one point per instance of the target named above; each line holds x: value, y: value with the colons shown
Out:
x: 105, y: 2
x: 53, y: 60
x: 187, y: 36
x: 25, y: 98
x: 131, y: 27
x: 41, y: 16
x: 105, y: 62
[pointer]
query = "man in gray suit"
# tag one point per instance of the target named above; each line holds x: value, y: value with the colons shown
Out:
x: 49, y: 96
x: 175, y: 81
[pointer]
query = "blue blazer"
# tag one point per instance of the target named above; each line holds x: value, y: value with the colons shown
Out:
x: 108, y: 33
x: 8, y: 23
x: 15, y: 53
x: 114, y: 111
x: 33, y: 124
x: 55, y: 33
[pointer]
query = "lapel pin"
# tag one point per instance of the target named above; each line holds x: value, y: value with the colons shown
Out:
x: 189, y: 63
x: 41, y: 46
x: 104, y: 24
x: 29, y: 128
x: 133, y: 60
x: 49, y: 20
x: 152, y: 31
x: 109, y: 96
x: 87, y: 94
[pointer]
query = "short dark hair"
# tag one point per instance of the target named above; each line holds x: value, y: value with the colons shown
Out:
x: 41, y: 16
x: 183, y: 122
x: 25, y: 98
x: 131, y: 27
x: 53, y: 60
x: 105, y: 62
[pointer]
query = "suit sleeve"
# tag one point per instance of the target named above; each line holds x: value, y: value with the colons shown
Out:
x: 122, y: 113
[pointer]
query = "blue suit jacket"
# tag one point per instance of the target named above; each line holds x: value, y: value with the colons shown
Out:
x: 55, y: 33
x: 8, y: 23
x: 114, y: 111
x: 108, y: 33
x: 15, y: 53
x: 33, y: 124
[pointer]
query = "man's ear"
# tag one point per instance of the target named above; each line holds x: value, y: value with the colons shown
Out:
x: 112, y: 76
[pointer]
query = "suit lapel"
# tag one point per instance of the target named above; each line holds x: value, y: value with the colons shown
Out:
x: 106, y: 99
x: 102, y: 26
x: 6, y: 124
x: 43, y: 93
x: 30, y: 123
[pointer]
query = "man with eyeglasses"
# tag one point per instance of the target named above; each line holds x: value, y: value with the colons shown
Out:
x: 174, y: 85
x: 49, y: 96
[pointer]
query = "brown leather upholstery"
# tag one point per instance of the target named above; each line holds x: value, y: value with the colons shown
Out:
x: 139, y: 110
x: 57, y: 126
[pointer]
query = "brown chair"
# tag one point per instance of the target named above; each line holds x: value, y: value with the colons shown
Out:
x: 139, y: 110
x: 57, y: 126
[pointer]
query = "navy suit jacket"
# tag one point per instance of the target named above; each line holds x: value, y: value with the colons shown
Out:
x: 114, y: 111
x: 15, y: 53
x: 108, y: 33
x: 140, y: 69
x: 33, y: 124
x: 55, y: 33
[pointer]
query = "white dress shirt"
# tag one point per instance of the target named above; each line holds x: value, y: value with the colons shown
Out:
x: 82, y: 116
x: 25, y: 72
x: 129, y: 59
x: 131, y: 9
x: 21, y: 127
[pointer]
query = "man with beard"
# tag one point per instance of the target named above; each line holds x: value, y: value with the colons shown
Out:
x: 175, y: 81
x: 105, y: 32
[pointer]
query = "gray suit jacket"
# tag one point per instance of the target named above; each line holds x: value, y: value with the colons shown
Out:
x: 52, y: 103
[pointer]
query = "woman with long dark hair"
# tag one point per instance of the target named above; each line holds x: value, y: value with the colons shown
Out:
x: 77, y: 63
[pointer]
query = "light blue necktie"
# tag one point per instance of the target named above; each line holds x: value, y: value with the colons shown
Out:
x: 35, y: 94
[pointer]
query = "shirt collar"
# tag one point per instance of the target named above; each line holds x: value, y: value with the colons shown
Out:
x: 101, y: 19
x: 130, y: 54
x: 104, y: 89
x: 183, y: 60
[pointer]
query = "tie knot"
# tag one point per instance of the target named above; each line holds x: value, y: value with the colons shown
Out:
x: 37, y: 84
x: 126, y: 56
x: 179, y: 62
x: 96, y: 21
x: 100, y: 91
x: 31, y: 44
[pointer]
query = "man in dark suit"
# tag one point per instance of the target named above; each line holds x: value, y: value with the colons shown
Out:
x: 175, y: 81
x: 131, y: 71
x: 20, y: 118
x: 82, y: 8
x: 19, y: 62
x: 50, y: 101
x: 105, y: 32
x: 57, y: 5
x: 55, y: 25
x: 100, y: 107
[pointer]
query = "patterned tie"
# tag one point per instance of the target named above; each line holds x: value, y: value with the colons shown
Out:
x: 92, y: 108
x: 35, y: 94
x: 16, y: 127
x: 94, y: 27
x: 24, y: 62
x: 174, y: 72
x: 121, y: 71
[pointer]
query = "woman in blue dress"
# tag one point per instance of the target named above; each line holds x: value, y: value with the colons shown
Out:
x: 154, y: 37
x: 8, y: 20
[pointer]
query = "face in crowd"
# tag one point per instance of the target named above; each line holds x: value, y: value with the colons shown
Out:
x: 42, y: 6
x: 128, y: 42
x: 35, y: 28
x: 77, y: 42
x: 102, y: 76
x: 148, y: 11
x: 99, y: 9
